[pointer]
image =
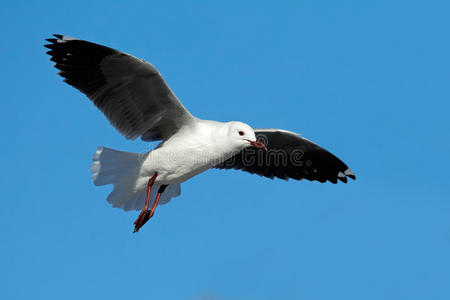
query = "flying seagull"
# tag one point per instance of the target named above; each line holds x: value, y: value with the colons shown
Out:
x: 137, y: 101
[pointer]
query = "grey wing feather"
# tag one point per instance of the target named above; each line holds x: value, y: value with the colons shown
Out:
x: 129, y: 91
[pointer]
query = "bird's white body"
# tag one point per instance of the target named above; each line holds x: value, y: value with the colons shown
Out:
x: 198, y: 146
x: 194, y: 149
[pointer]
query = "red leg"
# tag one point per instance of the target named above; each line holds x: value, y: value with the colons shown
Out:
x: 143, y: 216
x: 149, y: 189
x: 160, y: 191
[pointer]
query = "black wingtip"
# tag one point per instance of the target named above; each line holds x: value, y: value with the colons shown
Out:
x: 349, y: 173
x: 58, y: 36
x: 343, y: 179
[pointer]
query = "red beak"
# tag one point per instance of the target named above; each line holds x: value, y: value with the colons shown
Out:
x: 258, y: 145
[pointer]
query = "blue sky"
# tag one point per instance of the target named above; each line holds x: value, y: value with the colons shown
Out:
x: 368, y: 80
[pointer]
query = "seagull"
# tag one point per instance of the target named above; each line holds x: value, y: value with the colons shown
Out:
x: 137, y: 101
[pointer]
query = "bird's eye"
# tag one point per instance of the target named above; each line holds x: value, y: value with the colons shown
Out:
x: 241, y: 133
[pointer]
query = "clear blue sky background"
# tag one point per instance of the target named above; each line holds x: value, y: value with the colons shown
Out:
x: 368, y: 80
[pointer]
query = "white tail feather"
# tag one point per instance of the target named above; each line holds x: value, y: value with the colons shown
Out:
x: 122, y: 169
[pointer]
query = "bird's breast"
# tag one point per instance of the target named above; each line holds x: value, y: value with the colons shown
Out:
x: 180, y: 163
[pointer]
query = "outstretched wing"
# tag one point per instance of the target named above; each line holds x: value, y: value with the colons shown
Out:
x: 289, y: 156
x: 129, y: 91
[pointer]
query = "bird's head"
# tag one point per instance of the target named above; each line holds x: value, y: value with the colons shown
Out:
x: 242, y: 136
